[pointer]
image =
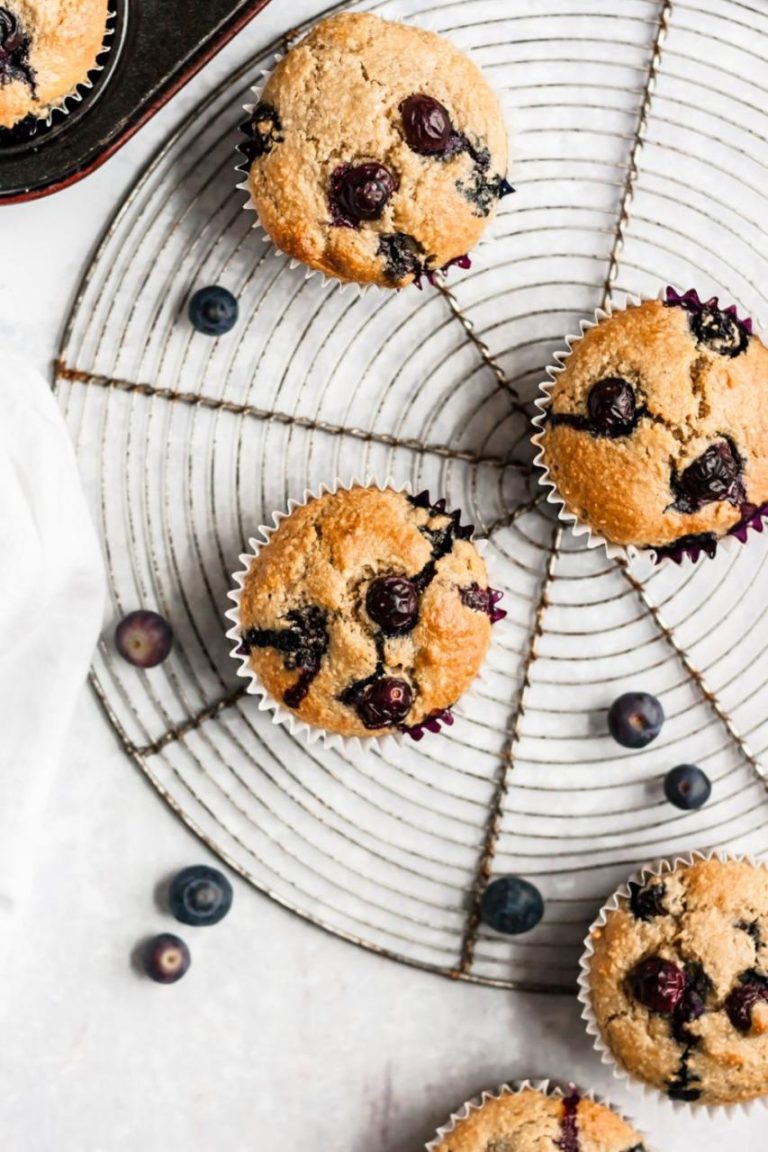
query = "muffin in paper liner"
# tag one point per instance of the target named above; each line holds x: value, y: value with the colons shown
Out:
x: 282, y: 715
x: 691, y: 546
x: 657, y: 869
x: 29, y: 125
x: 432, y: 276
x: 547, y: 1088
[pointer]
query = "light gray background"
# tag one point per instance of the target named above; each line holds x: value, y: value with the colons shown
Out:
x: 280, y: 1038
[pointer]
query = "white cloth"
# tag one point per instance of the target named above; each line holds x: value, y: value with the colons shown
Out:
x: 51, y: 605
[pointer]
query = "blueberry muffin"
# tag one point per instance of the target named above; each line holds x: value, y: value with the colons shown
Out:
x: 657, y: 432
x: 377, y: 152
x: 367, y: 612
x: 47, y: 48
x: 678, y: 981
x: 534, y: 1121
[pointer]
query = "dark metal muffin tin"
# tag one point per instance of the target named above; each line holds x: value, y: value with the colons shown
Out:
x: 156, y: 46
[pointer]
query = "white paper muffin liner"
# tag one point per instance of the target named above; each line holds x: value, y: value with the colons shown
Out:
x: 489, y: 233
x: 660, y: 867
x: 68, y: 103
x: 729, y: 543
x: 552, y: 1088
x: 267, y: 702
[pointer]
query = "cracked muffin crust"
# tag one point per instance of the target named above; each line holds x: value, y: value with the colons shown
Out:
x: 368, y: 612
x: 657, y: 431
x: 678, y: 981
x: 377, y: 152
x: 47, y: 48
x: 535, y: 1121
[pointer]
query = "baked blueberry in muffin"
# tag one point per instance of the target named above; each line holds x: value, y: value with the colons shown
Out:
x: 47, y: 48
x: 656, y: 433
x: 678, y: 981
x: 377, y: 152
x: 368, y: 612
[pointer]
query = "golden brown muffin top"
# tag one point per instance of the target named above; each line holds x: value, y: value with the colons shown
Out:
x: 330, y: 139
x: 679, y: 981
x: 532, y: 1121
x: 658, y: 426
x: 47, y: 48
x: 367, y: 611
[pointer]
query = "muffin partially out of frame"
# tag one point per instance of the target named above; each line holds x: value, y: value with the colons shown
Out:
x: 367, y: 612
x: 655, y: 432
x: 377, y: 152
x: 47, y: 49
x: 675, y: 980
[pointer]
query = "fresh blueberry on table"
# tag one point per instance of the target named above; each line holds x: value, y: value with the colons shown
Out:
x: 687, y: 787
x: 166, y: 958
x: 213, y: 310
x: 200, y: 895
x: 511, y: 905
x: 635, y: 719
x: 144, y: 638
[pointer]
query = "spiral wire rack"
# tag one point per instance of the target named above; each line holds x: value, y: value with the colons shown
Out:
x: 640, y: 157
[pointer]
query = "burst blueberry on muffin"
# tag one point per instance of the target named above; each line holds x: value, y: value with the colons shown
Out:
x: 47, y: 48
x: 377, y: 152
x: 367, y: 612
x: 529, y: 1120
x: 656, y: 434
x: 678, y: 981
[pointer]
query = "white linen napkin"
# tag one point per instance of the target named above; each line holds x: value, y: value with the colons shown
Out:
x: 51, y: 605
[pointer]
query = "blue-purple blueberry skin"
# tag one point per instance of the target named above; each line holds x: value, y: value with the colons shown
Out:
x: 635, y: 719
x: 166, y: 958
x: 687, y: 787
x: 144, y: 638
x: 213, y: 310
x: 200, y: 895
x: 511, y: 905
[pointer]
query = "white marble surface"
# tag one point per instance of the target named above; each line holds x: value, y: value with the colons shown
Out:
x: 280, y: 1038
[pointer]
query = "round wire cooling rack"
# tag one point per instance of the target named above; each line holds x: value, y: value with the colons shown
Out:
x: 640, y: 157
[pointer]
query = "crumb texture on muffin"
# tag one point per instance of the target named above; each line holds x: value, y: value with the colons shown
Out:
x: 658, y: 426
x: 679, y: 982
x: 367, y: 611
x: 47, y: 48
x: 377, y: 152
x: 532, y: 1121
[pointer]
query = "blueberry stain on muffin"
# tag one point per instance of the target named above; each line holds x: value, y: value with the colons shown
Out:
x: 719, y: 329
x: 14, y: 51
x: 304, y: 643
x: 263, y: 130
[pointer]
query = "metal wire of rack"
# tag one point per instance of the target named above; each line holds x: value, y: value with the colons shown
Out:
x: 640, y: 157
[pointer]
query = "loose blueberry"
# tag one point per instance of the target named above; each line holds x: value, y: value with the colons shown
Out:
x: 611, y: 406
x: 687, y: 787
x: 658, y: 984
x: 359, y: 193
x: 144, y: 638
x: 635, y: 719
x: 511, y: 905
x: 392, y: 602
x: 200, y: 895
x: 384, y: 703
x: 213, y: 310
x: 427, y: 126
x: 166, y: 958
x: 713, y: 476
